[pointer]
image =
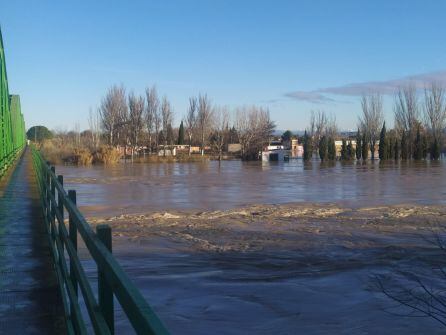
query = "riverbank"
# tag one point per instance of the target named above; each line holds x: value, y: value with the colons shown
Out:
x: 59, y: 153
x: 290, y: 267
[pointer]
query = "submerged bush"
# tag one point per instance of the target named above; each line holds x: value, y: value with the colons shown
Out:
x: 55, y: 152
x: 82, y: 156
x: 107, y: 155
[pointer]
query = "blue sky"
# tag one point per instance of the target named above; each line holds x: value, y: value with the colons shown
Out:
x: 289, y: 56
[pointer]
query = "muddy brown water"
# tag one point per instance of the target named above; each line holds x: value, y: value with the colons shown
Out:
x: 283, y: 289
x: 135, y: 188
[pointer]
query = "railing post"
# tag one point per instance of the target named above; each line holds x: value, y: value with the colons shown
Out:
x: 53, y: 193
x: 73, y: 238
x: 47, y: 195
x: 61, y: 212
x: 60, y: 199
x: 53, y: 211
x: 105, y: 291
x: 44, y: 183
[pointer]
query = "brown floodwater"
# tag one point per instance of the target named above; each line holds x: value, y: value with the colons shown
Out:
x: 210, y: 258
x: 140, y: 188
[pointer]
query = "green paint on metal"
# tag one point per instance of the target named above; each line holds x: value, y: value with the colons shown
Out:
x: 73, y: 281
x: 12, y: 125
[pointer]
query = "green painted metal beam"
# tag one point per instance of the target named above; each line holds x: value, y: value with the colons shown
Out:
x: 12, y: 125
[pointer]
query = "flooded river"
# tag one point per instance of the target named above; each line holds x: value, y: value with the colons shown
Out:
x: 139, y: 188
x: 252, y: 248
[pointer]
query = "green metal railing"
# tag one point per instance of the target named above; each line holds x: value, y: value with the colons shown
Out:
x: 7, y: 161
x: 12, y: 125
x: 112, y: 281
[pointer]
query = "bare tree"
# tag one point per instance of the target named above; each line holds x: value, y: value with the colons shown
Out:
x: 152, y: 115
x: 204, y: 119
x: 136, y: 109
x: 167, y: 116
x: 219, y: 130
x: 318, y: 125
x: 113, y: 108
x: 254, y: 128
x: 406, y: 111
x: 77, y: 131
x: 94, y: 124
x: 191, y: 121
x: 123, y: 132
x: 435, y: 111
x: 371, y: 119
x: 244, y: 131
x: 331, y: 129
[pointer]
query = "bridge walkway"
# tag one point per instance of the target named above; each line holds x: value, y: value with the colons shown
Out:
x: 29, y: 296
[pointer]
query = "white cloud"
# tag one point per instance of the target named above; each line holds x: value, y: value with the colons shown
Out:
x: 314, y: 97
x: 386, y: 87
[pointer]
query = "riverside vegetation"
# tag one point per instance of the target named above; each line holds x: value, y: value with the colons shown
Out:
x: 418, y: 133
x: 143, y: 126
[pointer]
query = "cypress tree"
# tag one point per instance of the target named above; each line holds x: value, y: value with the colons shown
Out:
x: 308, y: 150
x: 365, y: 148
x: 358, y: 145
x: 396, y: 149
x: 161, y: 137
x: 404, y: 147
x: 181, y: 134
x: 344, y: 150
x: 350, y: 151
x: 348, y: 155
x: 170, y: 135
x: 390, y: 147
x: 331, y: 149
x: 323, y: 148
x: 435, y: 150
x: 418, y: 147
x: 382, y: 143
x: 425, y: 145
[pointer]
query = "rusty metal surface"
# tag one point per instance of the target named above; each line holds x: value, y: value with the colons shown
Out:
x: 29, y: 298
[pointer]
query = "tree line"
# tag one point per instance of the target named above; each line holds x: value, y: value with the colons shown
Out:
x: 418, y: 133
x: 135, y: 121
x: 146, y: 121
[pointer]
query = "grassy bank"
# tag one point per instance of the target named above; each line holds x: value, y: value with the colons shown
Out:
x: 57, y: 152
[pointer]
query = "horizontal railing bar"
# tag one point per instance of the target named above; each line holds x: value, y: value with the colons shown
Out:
x: 60, y: 281
x: 62, y: 267
x: 87, y: 292
x: 93, y: 308
x: 138, y: 311
x: 140, y: 314
x: 79, y: 325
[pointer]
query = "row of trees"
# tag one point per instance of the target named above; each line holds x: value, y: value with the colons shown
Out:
x: 327, y: 149
x: 147, y: 121
x: 420, y: 121
x: 132, y: 120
